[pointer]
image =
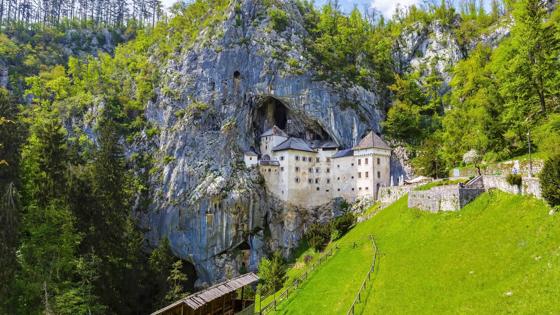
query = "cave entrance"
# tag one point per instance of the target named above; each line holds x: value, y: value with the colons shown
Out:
x: 271, y: 112
x: 190, y: 271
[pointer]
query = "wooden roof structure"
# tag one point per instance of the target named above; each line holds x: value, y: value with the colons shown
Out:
x: 199, y: 299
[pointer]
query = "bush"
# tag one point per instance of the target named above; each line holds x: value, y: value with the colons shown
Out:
x: 343, y: 223
x: 550, y: 181
x: 318, y: 236
x: 514, y: 179
x: 278, y: 20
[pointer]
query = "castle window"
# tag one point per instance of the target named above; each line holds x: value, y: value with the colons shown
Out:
x: 316, y: 181
x: 266, y: 147
x: 318, y: 189
x: 318, y: 160
x: 352, y: 164
x: 297, y: 179
x: 338, y: 178
x: 317, y: 170
x: 282, y: 158
x: 360, y: 188
x: 269, y: 170
x: 250, y: 159
x: 310, y: 170
x: 352, y: 177
x: 359, y: 175
x: 310, y: 181
x: 338, y: 189
x: 297, y: 158
x: 366, y: 161
x: 352, y: 189
x: 338, y: 166
x: 378, y: 161
x: 378, y: 174
x: 328, y: 170
x: 303, y: 158
x: 367, y: 174
x: 282, y: 169
x: 367, y: 188
x: 327, y: 190
x: 359, y: 161
x: 328, y: 159
x: 328, y: 181
x: 297, y: 169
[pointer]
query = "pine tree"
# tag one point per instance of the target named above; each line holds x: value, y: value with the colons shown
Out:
x: 176, y: 282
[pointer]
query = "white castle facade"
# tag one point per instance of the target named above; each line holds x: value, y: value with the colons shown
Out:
x: 311, y: 173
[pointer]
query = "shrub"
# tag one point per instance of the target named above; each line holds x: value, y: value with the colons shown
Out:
x: 550, y: 181
x: 278, y: 20
x: 318, y: 236
x: 343, y: 223
x: 514, y: 179
x: 272, y: 272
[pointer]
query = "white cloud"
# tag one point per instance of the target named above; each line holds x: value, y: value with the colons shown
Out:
x: 388, y: 7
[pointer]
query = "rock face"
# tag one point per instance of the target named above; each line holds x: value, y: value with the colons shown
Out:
x: 211, y: 106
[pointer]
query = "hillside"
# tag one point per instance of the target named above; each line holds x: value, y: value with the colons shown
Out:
x: 500, y: 254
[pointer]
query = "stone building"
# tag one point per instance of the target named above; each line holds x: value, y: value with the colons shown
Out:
x: 310, y: 173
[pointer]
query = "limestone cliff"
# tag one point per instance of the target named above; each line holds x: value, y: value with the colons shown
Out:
x: 213, y: 102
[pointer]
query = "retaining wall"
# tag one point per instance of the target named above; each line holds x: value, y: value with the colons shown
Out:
x: 388, y: 195
x: 530, y: 186
x: 444, y: 198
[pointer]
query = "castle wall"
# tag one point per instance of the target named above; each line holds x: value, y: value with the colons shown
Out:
x: 344, y: 182
x: 529, y: 186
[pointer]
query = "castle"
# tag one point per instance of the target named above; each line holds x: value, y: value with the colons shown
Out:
x: 310, y: 173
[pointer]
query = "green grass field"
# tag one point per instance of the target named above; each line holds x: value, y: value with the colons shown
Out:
x: 499, y: 255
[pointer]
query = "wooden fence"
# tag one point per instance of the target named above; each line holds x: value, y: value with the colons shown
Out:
x: 367, y: 280
x: 285, y: 294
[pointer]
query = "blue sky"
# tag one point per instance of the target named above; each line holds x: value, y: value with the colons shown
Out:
x: 387, y: 7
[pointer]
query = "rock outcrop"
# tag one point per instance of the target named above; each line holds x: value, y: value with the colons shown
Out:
x: 214, y: 101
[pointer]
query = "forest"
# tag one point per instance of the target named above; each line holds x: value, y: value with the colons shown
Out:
x: 69, y: 242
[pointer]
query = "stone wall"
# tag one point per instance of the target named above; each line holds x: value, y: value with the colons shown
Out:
x: 388, y: 195
x: 529, y: 187
x: 443, y: 198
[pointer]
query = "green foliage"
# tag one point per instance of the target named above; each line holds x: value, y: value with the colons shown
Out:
x: 272, y: 272
x: 278, y: 19
x: 318, y: 236
x: 550, y: 181
x: 514, y: 179
x: 176, y: 282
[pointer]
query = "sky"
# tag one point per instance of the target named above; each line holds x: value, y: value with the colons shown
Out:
x: 387, y: 7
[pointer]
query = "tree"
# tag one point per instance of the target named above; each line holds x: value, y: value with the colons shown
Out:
x: 272, y: 272
x: 550, y: 181
x: 176, y: 282
x: 161, y: 263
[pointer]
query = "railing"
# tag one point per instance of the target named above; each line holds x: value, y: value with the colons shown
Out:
x: 285, y: 294
x: 367, y: 279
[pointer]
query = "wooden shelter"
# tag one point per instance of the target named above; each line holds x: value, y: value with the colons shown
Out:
x: 221, y: 298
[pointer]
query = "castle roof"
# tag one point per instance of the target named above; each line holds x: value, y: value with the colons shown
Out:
x: 343, y: 153
x: 293, y: 144
x: 372, y: 140
x: 251, y: 153
x: 316, y: 144
x: 274, y: 131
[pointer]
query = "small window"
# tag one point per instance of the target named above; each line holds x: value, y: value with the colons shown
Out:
x: 352, y: 164
x: 328, y: 159
x: 338, y: 178
x: 328, y: 170
x: 338, y: 166
x: 366, y: 161
x: 303, y: 158
x: 269, y: 170
x: 338, y: 189
x: 378, y: 174
x: 367, y: 174
x: 282, y: 158
x: 250, y: 159
x: 327, y: 190
x: 266, y: 147
x: 378, y: 161
x: 297, y: 158
x: 360, y: 188
x: 310, y: 181
x: 316, y: 180
x: 317, y: 170
x: 328, y: 181
x: 359, y: 161
x: 282, y: 169
x: 297, y: 179
x: 352, y: 177
x: 297, y: 169
x: 318, y: 189
x: 367, y: 188
x: 359, y: 175
x: 352, y: 189
x: 310, y: 170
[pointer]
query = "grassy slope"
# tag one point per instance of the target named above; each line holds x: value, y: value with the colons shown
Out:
x: 501, y: 254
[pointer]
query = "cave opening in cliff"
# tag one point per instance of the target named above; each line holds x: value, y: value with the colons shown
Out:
x: 271, y: 112
x: 190, y: 271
